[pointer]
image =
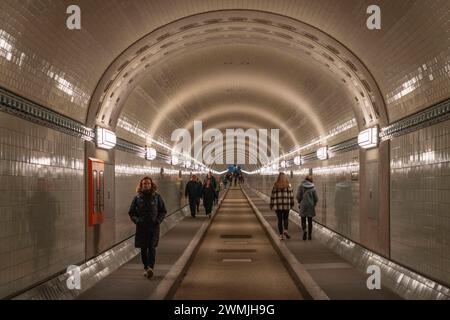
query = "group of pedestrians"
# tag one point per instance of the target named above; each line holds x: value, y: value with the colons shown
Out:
x: 208, y: 191
x: 282, y: 200
x: 148, y: 210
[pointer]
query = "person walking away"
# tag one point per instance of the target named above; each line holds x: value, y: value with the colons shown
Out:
x: 282, y: 200
x: 208, y: 196
x: 192, y: 192
x: 147, y: 211
x: 307, y: 199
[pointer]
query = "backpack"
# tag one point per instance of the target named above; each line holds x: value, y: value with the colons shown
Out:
x: 308, y: 197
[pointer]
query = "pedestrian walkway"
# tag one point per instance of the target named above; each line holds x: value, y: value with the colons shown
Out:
x: 336, y: 277
x: 236, y: 260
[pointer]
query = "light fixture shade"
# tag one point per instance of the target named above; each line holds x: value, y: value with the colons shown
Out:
x: 322, y: 153
x: 105, y: 138
x: 283, y: 164
x: 275, y: 166
x: 368, y: 138
x: 187, y: 164
x: 150, y: 153
x: 195, y: 166
x: 298, y: 160
x: 175, y: 160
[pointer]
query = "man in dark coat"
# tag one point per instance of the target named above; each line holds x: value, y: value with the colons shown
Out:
x: 147, y: 211
x: 193, y: 192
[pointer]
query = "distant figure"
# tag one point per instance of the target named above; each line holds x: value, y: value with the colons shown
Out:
x: 42, y: 212
x: 343, y: 204
x: 235, y: 175
x: 193, y: 192
x: 225, y: 180
x: 208, y: 196
x: 147, y: 211
x: 282, y: 199
x: 199, y: 196
x: 307, y: 199
x: 216, y: 195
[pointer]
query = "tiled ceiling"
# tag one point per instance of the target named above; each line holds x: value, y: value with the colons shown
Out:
x: 250, y: 67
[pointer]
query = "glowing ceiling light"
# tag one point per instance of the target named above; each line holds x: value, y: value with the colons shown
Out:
x: 175, y: 160
x: 368, y: 138
x: 322, y: 153
x: 105, y: 138
x: 283, y: 164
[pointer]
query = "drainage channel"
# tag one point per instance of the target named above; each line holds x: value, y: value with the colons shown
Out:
x: 236, y: 260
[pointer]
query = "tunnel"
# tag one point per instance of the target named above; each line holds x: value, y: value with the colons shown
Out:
x: 350, y: 97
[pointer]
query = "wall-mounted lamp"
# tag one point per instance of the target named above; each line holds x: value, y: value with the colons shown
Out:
x: 298, y: 160
x: 150, y: 153
x: 105, y: 138
x: 368, y: 138
x: 322, y: 153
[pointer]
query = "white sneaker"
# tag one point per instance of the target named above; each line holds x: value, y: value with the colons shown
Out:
x: 281, y: 237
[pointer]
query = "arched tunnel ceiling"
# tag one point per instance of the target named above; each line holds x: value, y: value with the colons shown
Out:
x: 227, y: 82
x: 408, y: 59
x: 232, y: 26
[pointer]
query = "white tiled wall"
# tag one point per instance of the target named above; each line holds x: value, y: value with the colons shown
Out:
x: 41, y: 203
x: 420, y: 201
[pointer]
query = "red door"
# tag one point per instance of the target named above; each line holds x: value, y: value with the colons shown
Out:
x: 96, y: 201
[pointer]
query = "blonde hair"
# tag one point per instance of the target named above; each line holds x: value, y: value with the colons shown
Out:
x: 282, y: 181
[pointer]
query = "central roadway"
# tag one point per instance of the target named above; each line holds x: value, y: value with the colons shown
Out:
x: 236, y: 259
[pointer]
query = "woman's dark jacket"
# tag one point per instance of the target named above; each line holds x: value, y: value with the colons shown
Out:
x: 147, y: 211
x: 307, y: 199
x: 209, y: 195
